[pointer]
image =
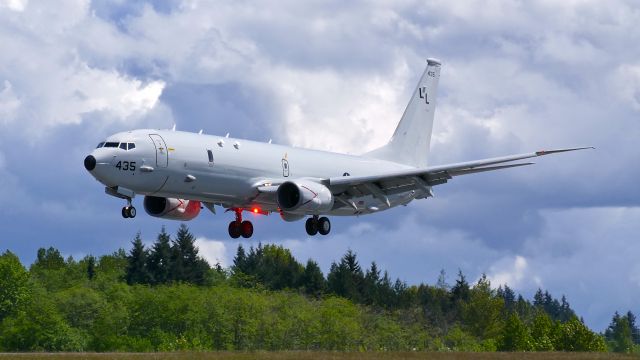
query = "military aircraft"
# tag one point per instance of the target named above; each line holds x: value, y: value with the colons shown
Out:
x: 179, y: 173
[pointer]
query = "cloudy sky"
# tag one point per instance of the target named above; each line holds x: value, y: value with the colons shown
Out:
x: 334, y: 75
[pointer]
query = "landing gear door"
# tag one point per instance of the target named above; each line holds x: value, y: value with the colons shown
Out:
x: 162, y: 153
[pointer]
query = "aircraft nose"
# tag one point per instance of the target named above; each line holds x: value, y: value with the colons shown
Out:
x: 90, y: 163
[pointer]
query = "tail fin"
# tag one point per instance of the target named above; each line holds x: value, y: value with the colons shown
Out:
x: 410, y: 142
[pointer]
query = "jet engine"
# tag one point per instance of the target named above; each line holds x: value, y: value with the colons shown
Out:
x: 289, y: 217
x: 304, y: 196
x: 173, y: 209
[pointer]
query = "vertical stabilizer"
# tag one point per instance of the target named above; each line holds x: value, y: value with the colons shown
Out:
x: 410, y: 142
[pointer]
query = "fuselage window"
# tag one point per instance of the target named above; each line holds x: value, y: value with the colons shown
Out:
x: 210, y: 153
x: 100, y: 145
x: 123, y: 146
x: 111, y: 144
x: 132, y: 146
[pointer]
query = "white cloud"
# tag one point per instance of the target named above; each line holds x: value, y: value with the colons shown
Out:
x: 214, y: 251
x: 512, y: 271
x: 317, y: 105
x: 626, y: 83
x: 50, y: 79
x: 9, y: 103
x: 15, y: 5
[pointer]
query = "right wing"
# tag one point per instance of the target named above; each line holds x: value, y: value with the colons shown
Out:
x: 381, y: 185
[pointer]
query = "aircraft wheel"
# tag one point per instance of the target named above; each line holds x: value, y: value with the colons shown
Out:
x: 234, y: 229
x: 324, y: 226
x: 128, y: 212
x: 246, y: 229
x: 311, y: 226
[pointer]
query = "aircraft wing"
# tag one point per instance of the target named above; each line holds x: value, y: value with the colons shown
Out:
x: 381, y: 185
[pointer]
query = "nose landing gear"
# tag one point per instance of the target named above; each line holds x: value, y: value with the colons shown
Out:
x: 129, y: 212
x: 239, y: 228
x: 316, y: 225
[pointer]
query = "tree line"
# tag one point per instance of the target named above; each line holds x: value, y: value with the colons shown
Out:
x: 167, y: 297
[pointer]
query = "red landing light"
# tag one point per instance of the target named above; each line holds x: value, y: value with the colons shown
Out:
x: 256, y: 210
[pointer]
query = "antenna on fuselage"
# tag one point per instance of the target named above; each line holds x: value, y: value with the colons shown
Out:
x: 200, y: 132
x: 174, y: 127
x: 270, y: 141
x: 227, y: 136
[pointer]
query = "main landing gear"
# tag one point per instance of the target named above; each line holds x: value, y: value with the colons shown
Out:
x: 128, y: 211
x: 239, y: 228
x: 316, y: 225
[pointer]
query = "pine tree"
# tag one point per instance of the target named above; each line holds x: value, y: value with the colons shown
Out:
x: 49, y: 259
x: 186, y: 265
x: 240, y: 261
x: 346, y: 278
x: 566, y: 313
x: 91, y: 267
x: 370, y: 285
x: 509, y: 297
x: 460, y: 291
x: 515, y: 335
x: 312, y: 280
x: 635, y: 332
x: 619, y: 334
x: 442, y: 280
x: 159, y: 260
x: 137, y: 272
x: 538, y: 299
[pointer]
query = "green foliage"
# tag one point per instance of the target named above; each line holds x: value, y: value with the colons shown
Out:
x: 39, y: 327
x: 312, y: 280
x: 482, y: 312
x: 542, y: 332
x: 620, y: 333
x: 186, y: 264
x: 459, y: 340
x: 14, y: 284
x: 137, y: 272
x: 575, y: 336
x: 111, y: 268
x: 515, y: 335
x: 168, y: 298
x: 159, y: 260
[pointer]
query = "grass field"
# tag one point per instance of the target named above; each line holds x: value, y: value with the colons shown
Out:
x: 300, y: 355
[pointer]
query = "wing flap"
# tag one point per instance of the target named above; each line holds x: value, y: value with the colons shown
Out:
x: 381, y: 185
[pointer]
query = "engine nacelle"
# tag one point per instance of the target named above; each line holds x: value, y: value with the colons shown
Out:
x: 289, y: 217
x: 304, y: 196
x: 173, y: 209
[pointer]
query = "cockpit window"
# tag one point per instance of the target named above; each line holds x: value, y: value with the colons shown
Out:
x: 100, y: 145
x: 123, y: 146
x: 111, y: 144
x: 132, y: 146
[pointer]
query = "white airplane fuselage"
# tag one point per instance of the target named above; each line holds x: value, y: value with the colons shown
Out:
x: 179, y: 167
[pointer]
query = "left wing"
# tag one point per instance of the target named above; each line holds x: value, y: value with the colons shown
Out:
x: 381, y: 185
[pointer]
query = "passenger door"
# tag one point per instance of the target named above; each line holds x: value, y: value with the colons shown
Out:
x: 162, y: 153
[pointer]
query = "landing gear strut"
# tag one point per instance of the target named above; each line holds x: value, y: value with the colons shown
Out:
x: 239, y: 228
x: 128, y: 211
x: 316, y: 225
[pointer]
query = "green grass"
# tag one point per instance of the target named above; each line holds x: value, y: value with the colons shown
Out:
x: 302, y: 355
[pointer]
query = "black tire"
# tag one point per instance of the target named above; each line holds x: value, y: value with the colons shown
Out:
x: 246, y: 229
x: 311, y: 226
x: 125, y: 213
x: 324, y: 226
x: 132, y: 212
x: 234, y: 229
